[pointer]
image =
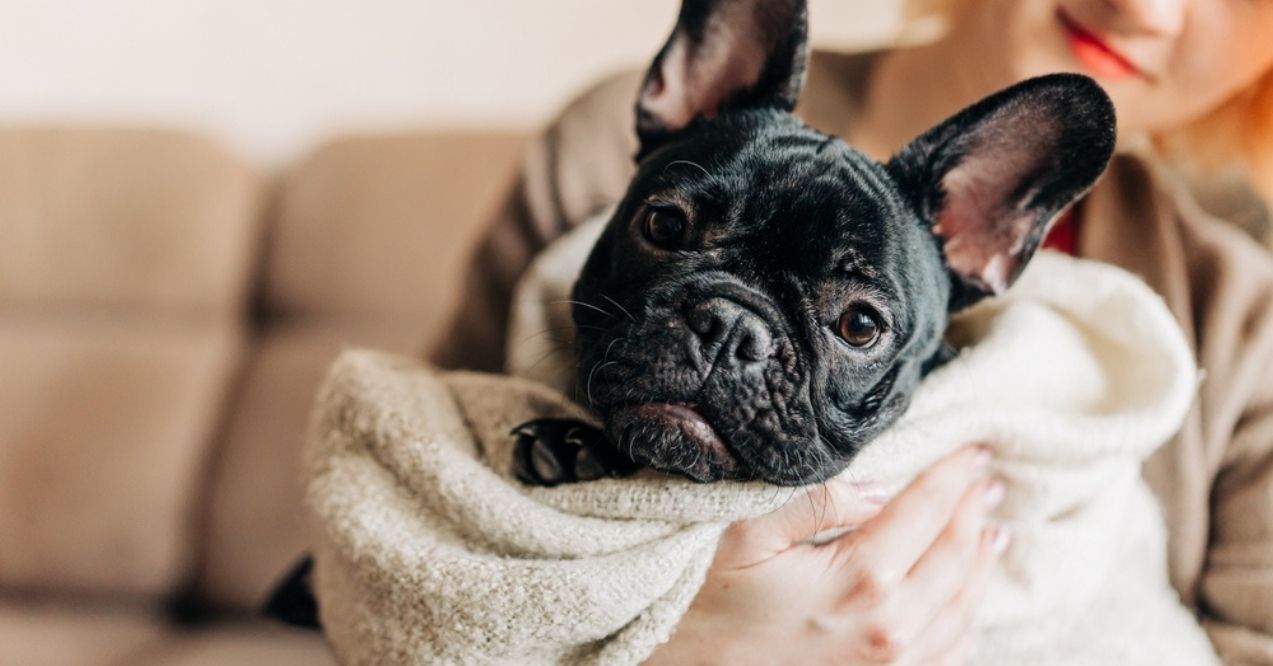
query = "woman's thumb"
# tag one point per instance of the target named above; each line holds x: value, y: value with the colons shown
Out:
x: 815, y: 516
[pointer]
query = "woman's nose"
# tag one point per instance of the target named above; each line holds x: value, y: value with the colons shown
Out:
x: 1158, y: 17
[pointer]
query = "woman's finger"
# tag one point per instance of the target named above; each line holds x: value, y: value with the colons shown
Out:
x: 956, y: 656
x: 886, y: 548
x: 954, y: 623
x: 832, y: 506
x: 940, y: 573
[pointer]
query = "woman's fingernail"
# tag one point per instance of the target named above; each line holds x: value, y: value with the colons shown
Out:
x: 983, y: 455
x: 874, y: 493
x: 995, y: 493
x: 1001, y: 539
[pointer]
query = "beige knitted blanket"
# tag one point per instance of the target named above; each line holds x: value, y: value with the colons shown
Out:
x: 430, y: 553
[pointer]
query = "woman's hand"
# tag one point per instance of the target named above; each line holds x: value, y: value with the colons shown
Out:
x: 901, y: 587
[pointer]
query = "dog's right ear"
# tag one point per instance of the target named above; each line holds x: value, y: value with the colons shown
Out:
x: 990, y: 180
x: 724, y: 54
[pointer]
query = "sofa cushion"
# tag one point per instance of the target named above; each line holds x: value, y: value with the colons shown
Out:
x: 105, y: 427
x: 384, y: 224
x: 115, y: 217
x: 248, y: 643
x: 57, y: 632
x: 39, y: 633
x: 256, y: 525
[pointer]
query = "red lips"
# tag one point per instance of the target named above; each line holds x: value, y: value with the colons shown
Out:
x: 1099, y: 58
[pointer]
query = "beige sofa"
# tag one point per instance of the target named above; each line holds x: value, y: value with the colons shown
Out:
x: 165, y: 313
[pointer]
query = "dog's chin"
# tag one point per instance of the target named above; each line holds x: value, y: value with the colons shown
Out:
x: 674, y: 438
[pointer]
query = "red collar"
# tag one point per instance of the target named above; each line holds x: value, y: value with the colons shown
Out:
x: 1064, y: 235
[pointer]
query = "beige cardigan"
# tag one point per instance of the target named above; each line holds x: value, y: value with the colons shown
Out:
x: 1214, y: 480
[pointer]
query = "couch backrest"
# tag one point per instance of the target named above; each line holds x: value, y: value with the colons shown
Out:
x: 164, y: 318
x: 124, y: 264
x: 381, y: 225
x: 364, y: 248
x: 152, y: 221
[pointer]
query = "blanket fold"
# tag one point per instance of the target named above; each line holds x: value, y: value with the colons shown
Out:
x: 429, y: 551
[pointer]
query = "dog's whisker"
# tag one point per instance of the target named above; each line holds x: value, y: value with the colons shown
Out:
x: 826, y: 505
x: 618, y: 305
x: 692, y: 163
x: 632, y: 447
x: 610, y: 346
x: 558, y: 329
x: 813, y: 511
x: 589, y: 306
x: 595, y: 367
x: 564, y: 362
x: 791, y: 495
x: 593, y: 372
x: 603, y: 363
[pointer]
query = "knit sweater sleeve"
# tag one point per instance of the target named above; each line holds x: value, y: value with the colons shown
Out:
x: 1236, y: 586
x: 575, y: 168
x: 1237, y: 583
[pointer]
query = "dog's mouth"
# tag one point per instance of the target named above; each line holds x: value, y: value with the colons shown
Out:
x: 673, y: 437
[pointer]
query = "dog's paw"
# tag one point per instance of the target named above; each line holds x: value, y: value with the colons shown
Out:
x: 548, y: 452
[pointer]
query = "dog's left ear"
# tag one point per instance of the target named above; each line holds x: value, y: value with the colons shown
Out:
x: 724, y: 54
x: 990, y: 180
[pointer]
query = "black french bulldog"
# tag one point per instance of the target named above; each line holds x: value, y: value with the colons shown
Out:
x: 768, y: 298
x: 780, y: 295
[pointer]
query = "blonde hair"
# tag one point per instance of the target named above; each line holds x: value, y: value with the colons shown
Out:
x: 1240, y: 130
x: 1237, y: 133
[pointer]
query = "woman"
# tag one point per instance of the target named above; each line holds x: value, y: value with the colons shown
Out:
x: 1191, y: 79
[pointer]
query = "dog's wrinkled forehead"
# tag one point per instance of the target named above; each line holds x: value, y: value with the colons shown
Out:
x: 819, y: 205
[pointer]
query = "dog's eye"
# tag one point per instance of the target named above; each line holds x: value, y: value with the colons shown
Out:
x: 665, y: 228
x: 860, y: 326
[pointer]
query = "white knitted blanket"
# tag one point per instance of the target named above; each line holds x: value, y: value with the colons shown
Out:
x: 429, y: 552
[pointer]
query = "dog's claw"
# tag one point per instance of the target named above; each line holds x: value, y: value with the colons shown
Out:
x: 554, y: 451
x: 588, y: 467
x: 544, y: 462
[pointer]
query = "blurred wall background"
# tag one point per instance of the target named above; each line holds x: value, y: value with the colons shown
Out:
x: 271, y: 78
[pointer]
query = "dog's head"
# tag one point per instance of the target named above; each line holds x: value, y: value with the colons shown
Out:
x: 766, y: 299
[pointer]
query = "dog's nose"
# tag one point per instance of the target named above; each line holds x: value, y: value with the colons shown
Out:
x: 730, y: 330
